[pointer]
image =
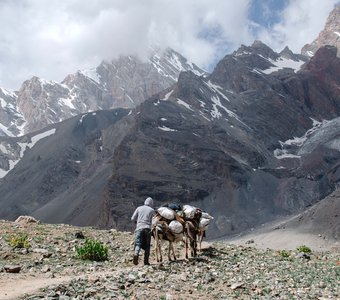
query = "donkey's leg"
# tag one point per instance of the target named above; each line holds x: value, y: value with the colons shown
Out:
x: 173, y: 250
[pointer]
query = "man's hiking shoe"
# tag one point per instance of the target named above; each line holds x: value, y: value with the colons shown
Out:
x: 135, y: 259
x: 146, y: 264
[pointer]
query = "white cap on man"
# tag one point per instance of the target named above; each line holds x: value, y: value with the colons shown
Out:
x: 148, y: 202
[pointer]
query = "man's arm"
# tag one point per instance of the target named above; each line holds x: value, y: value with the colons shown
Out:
x: 135, y: 215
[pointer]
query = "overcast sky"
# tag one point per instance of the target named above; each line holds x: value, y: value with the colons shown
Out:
x: 52, y: 38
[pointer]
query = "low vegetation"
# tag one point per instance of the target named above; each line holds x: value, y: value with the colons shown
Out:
x: 284, y: 253
x: 304, y: 249
x: 19, y: 241
x: 99, y: 266
x: 92, y: 250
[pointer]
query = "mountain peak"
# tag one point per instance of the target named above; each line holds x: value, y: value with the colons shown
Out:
x: 330, y: 35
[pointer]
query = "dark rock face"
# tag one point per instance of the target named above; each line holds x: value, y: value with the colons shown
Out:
x: 248, y: 143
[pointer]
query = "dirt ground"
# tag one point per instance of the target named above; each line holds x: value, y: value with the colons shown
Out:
x: 276, y: 235
x: 272, y: 236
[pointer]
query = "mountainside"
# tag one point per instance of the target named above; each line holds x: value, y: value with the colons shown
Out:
x: 330, y: 35
x: 124, y: 82
x: 322, y: 218
x: 253, y: 141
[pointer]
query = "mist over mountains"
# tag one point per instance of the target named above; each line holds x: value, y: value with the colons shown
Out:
x: 256, y: 139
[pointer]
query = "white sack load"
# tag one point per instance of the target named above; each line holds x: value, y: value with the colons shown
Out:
x: 189, y: 211
x: 155, y: 220
x: 176, y: 227
x: 204, y: 222
x: 205, y: 215
x: 167, y: 213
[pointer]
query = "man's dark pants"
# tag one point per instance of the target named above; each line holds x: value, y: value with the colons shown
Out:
x: 143, y: 241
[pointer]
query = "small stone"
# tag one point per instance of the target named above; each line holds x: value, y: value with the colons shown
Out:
x: 79, y: 235
x: 236, y: 285
x: 40, y: 251
x: 250, y: 242
x: 303, y: 255
x: 45, y: 269
x: 23, y: 251
x: 50, y: 275
x: 131, y: 278
x: 12, y: 269
x: 7, y: 255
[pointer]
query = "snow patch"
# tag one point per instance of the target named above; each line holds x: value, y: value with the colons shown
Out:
x: 3, y: 103
x: 243, y: 53
x: 337, y: 33
x: 186, y: 105
x: 216, y: 88
x: 24, y: 146
x: 297, y: 142
x: 283, y: 63
x: 130, y: 98
x: 5, y: 130
x: 164, y: 128
x: 35, y: 139
x: 67, y: 102
x: 44, y: 82
x: 215, y: 112
x: 7, y: 93
x: 174, y: 60
x: 203, y: 115
x: 3, y: 149
x: 82, y: 117
x: 92, y: 74
x: 282, y: 153
x: 166, y: 97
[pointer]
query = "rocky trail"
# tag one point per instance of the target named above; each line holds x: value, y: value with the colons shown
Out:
x: 50, y: 269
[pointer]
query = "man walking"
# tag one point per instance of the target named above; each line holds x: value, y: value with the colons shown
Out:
x: 143, y: 218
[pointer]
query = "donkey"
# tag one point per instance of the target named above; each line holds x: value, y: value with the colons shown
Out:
x: 200, y: 235
x: 191, y: 230
x: 160, y: 231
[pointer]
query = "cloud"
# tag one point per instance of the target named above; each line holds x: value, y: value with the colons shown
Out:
x: 300, y: 23
x: 51, y: 39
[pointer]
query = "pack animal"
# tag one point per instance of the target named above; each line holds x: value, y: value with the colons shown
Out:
x: 191, y: 230
x: 161, y: 231
x: 203, y: 226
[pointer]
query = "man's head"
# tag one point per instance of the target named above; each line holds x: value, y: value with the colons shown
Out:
x: 148, y: 202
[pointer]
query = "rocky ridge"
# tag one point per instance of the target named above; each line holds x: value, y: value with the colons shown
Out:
x: 124, y: 82
x: 49, y: 269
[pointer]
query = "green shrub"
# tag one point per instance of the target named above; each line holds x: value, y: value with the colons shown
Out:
x: 284, y: 253
x: 19, y: 241
x: 92, y: 250
x: 304, y: 249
